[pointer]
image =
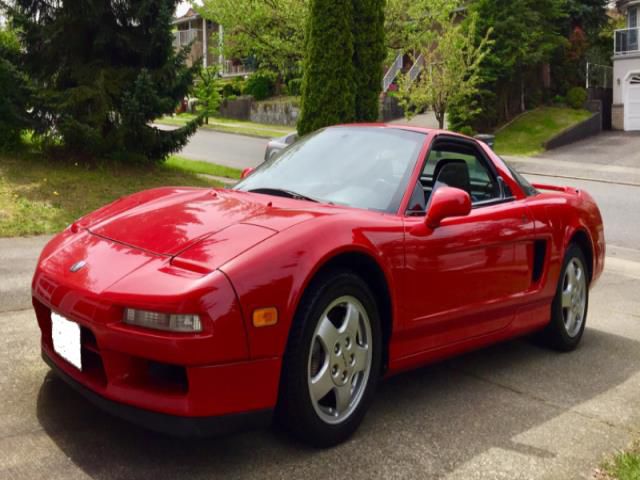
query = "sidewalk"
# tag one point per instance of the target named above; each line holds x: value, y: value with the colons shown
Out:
x: 610, y: 157
x: 249, y: 129
x: 547, y: 166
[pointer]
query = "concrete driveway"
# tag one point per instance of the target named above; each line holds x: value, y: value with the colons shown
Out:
x: 513, y: 411
x: 608, y: 148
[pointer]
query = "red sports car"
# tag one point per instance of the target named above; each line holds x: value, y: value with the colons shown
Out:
x: 356, y: 253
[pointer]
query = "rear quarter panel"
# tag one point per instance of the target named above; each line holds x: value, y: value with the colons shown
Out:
x: 560, y: 214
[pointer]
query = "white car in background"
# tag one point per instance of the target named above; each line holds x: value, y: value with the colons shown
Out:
x: 276, y: 145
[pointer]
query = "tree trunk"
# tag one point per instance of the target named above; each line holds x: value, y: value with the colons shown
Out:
x: 440, y: 117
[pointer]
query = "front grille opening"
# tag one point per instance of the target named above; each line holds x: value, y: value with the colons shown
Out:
x: 88, y: 339
x: 92, y: 366
x: 168, y: 378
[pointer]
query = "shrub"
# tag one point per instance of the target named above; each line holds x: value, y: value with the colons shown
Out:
x: 228, y: 89
x: 295, y: 87
x: 232, y: 88
x: 577, y: 97
x: 467, y: 130
x: 559, y: 100
x: 207, y: 92
x: 260, y: 86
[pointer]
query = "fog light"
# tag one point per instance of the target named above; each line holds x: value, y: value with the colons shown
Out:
x: 163, y: 321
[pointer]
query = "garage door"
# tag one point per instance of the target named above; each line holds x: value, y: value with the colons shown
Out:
x: 632, y: 104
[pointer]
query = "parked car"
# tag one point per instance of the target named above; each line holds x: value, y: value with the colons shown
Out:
x: 358, y: 253
x: 276, y: 145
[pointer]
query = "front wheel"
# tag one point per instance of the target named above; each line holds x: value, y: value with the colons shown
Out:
x: 332, y: 362
x: 571, y: 303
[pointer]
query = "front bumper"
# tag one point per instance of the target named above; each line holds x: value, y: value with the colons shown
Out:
x: 120, y: 366
x: 169, y: 424
x: 193, y: 376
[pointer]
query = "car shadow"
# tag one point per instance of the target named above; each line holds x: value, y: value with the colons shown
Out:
x: 422, y: 424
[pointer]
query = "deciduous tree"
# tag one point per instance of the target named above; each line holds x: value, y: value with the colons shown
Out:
x: 452, y: 54
x: 272, y: 31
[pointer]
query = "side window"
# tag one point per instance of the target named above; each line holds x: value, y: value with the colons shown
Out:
x: 460, y: 166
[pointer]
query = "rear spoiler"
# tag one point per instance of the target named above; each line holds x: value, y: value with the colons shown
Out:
x: 555, y: 188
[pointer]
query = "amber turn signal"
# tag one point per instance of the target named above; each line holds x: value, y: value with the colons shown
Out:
x: 265, y: 317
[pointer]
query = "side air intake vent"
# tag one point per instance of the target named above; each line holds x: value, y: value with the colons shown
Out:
x: 539, y: 255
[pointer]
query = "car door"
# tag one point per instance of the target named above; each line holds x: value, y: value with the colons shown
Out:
x: 463, y: 279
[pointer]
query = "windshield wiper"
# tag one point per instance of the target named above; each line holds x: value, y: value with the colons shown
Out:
x: 280, y: 192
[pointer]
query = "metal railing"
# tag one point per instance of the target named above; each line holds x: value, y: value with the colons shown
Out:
x: 599, y: 76
x: 183, y: 38
x: 417, y: 67
x: 231, y: 69
x: 392, y: 73
x: 625, y: 41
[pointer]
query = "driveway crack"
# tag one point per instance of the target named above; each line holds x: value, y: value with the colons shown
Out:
x: 544, y: 401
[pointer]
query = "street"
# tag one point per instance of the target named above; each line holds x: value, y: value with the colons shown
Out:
x: 512, y: 411
x: 231, y: 150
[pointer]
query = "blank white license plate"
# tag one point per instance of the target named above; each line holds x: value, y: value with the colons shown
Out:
x: 66, y: 339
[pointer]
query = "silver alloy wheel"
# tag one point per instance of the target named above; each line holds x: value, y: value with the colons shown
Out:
x: 340, y: 360
x: 574, y: 297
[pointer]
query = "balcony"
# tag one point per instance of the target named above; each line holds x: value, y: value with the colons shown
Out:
x: 182, y: 38
x: 232, y: 68
x: 626, y: 41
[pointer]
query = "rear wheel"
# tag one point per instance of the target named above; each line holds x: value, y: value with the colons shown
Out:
x: 571, y: 303
x: 332, y: 362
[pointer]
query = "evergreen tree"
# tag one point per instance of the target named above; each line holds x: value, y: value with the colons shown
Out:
x: 103, y: 71
x: 589, y: 15
x: 369, y: 53
x: 526, y: 34
x: 328, y: 86
x: 14, y: 86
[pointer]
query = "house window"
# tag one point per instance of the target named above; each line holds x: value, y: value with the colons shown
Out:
x: 633, y: 17
x: 634, y: 80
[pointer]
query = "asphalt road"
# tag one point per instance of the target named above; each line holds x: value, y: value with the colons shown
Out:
x: 228, y: 149
x: 513, y: 411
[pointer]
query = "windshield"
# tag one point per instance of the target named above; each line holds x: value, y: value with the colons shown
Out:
x: 362, y: 167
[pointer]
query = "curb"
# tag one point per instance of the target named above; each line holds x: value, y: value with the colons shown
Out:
x: 214, y: 129
x: 585, y: 179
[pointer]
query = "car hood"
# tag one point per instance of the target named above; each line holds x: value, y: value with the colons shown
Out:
x: 171, y: 220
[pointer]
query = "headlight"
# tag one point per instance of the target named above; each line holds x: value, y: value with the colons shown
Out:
x: 163, y: 321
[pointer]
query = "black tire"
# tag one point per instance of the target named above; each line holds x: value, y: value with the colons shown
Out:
x: 296, y: 411
x: 556, y: 335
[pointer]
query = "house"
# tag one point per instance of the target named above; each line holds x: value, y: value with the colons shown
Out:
x: 206, y: 39
x: 626, y: 70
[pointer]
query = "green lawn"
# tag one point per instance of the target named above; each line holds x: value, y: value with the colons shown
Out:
x: 625, y: 466
x: 206, y: 168
x: 528, y: 133
x: 231, y: 126
x: 39, y: 196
